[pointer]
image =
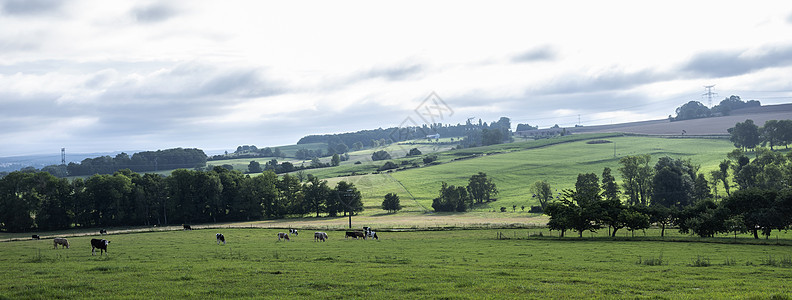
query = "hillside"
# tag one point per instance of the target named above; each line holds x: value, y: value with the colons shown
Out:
x: 716, y: 126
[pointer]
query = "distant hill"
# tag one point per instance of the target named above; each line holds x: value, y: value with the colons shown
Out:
x: 714, y: 126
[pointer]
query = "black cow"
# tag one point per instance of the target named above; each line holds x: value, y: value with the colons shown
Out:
x: 187, y: 227
x: 36, y: 237
x: 354, y: 234
x: 100, y: 244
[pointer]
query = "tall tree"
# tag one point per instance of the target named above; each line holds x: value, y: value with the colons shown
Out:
x: 673, y: 184
x: 391, y: 203
x: 316, y: 193
x: 481, y: 188
x: 637, y: 178
x: 745, y: 135
x: 542, y: 192
x: 610, y: 189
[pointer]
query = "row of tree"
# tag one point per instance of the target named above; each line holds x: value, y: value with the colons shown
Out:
x: 380, y: 137
x: 695, y: 109
x: 747, y: 135
x: 40, y: 201
x: 146, y: 161
x: 674, y: 192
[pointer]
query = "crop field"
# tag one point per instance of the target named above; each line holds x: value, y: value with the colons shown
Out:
x: 457, y: 264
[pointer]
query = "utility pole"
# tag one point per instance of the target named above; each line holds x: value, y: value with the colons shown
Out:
x: 63, y: 156
x: 709, y: 94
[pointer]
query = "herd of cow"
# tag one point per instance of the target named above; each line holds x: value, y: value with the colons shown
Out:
x: 102, y: 244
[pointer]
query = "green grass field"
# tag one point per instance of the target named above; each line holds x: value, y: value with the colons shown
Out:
x: 460, y: 264
x: 514, y: 167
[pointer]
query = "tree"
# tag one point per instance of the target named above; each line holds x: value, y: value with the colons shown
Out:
x: 673, y: 184
x: 254, y: 167
x: 542, y: 192
x: 391, y: 203
x: 701, y: 188
x: 692, y: 110
x: 452, y: 198
x: 579, y: 209
x: 414, y: 152
x: 637, y: 178
x: 480, y: 188
x: 610, y: 189
x: 771, y: 133
x: 336, y: 160
x: 315, y: 193
x: 351, y: 200
x: 380, y: 155
x: 744, y: 135
x: 634, y: 220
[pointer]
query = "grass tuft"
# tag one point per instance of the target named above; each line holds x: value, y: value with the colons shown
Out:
x: 701, y: 262
x: 653, y: 261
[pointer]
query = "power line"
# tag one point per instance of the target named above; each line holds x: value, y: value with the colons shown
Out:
x: 709, y: 94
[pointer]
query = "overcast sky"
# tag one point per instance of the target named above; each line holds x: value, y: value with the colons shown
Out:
x: 96, y: 76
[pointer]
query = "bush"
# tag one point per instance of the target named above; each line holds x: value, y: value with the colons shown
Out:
x: 388, y: 166
x: 380, y: 155
x: 414, y: 152
x: 429, y: 159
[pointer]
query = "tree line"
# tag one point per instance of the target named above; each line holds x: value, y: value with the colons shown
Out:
x: 41, y: 201
x: 695, y: 109
x: 674, y: 192
x: 380, y: 137
x: 146, y: 161
x: 747, y: 135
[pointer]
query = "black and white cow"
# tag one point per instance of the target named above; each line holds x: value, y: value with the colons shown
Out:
x: 36, y: 237
x: 321, y: 236
x: 282, y: 235
x: 102, y: 231
x: 220, y: 238
x: 100, y: 244
x: 293, y: 232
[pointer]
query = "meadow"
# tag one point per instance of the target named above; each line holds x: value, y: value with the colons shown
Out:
x: 457, y: 264
x: 514, y: 167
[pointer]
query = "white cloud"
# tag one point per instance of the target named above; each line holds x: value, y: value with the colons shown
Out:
x: 147, y: 75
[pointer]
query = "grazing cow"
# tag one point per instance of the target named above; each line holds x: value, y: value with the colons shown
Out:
x: 293, y: 231
x: 187, y: 227
x: 220, y: 238
x: 100, y: 244
x: 36, y: 237
x: 284, y: 236
x: 102, y: 231
x: 60, y: 241
x: 372, y: 234
x: 355, y: 234
x: 320, y: 236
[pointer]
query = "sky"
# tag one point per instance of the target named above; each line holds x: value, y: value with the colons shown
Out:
x: 101, y: 76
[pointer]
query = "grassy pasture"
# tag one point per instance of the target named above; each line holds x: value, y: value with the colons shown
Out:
x: 429, y: 264
x: 514, y: 167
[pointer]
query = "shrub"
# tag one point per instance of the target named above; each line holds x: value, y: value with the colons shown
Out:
x: 380, y: 155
